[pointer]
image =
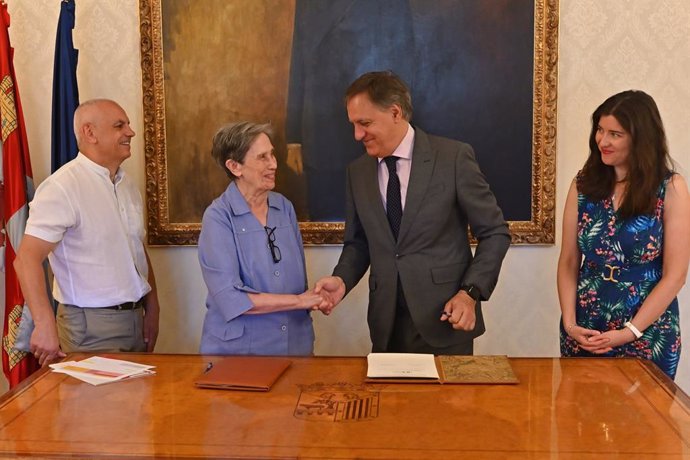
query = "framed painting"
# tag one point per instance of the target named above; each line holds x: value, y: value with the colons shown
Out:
x: 481, y: 72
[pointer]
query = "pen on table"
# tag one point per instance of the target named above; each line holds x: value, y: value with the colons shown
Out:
x: 209, y: 366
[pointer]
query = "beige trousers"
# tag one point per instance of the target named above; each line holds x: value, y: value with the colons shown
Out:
x: 100, y: 329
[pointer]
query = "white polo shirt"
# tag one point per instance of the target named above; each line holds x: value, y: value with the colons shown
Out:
x: 99, y: 260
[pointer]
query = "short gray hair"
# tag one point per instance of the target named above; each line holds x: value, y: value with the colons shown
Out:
x: 233, y: 141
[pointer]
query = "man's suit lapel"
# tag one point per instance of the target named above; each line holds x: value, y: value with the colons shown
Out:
x: 423, y: 159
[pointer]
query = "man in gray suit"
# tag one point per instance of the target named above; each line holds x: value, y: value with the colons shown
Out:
x: 408, y: 205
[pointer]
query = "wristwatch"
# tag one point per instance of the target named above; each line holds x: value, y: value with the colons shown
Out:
x: 471, y: 291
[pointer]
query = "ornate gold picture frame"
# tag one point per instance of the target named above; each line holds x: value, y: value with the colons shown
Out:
x: 174, y: 219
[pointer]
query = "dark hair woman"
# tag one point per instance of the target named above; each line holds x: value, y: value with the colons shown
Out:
x: 626, y: 240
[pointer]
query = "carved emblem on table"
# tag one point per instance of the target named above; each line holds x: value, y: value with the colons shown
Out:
x: 337, y: 402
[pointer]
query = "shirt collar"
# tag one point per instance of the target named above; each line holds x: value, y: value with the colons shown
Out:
x: 404, y: 149
x: 240, y: 206
x: 98, y: 169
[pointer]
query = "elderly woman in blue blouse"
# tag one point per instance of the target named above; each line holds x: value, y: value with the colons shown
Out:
x: 251, y: 255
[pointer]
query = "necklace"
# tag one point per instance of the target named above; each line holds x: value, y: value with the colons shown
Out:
x: 613, y: 195
x: 613, y: 199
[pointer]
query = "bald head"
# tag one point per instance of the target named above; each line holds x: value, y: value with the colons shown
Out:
x: 103, y: 133
x: 89, y: 112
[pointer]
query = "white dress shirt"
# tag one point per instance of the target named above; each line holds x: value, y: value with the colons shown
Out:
x: 403, y: 166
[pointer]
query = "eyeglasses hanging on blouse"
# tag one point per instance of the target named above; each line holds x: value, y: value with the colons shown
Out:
x: 275, y: 250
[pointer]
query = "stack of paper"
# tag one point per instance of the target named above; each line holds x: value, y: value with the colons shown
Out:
x: 401, y: 365
x: 97, y: 370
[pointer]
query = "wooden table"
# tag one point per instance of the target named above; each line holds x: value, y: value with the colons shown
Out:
x: 562, y: 408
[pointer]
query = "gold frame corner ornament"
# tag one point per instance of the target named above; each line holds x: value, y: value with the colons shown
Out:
x: 539, y: 230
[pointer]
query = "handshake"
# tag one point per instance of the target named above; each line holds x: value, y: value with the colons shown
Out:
x: 325, y: 296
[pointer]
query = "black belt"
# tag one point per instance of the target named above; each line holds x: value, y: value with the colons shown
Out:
x: 123, y: 306
x: 127, y: 305
x: 650, y: 271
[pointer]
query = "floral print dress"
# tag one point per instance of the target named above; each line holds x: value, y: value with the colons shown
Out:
x: 622, y: 264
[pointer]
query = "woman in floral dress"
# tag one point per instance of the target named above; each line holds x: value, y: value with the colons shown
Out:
x: 628, y: 214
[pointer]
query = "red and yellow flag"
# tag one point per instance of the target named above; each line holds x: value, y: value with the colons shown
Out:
x: 17, y: 181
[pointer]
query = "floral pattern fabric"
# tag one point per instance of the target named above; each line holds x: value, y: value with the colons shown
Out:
x: 622, y: 264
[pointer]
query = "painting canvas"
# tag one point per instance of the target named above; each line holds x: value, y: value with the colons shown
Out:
x: 481, y: 72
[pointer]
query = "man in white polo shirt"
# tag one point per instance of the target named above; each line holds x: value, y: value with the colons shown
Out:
x: 87, y: 219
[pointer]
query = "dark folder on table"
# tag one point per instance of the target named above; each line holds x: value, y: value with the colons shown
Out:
x: 248, y: 373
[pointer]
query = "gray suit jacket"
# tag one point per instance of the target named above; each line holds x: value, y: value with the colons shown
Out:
x: 432, y: 256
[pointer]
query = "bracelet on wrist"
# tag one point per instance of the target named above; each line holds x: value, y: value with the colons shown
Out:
x: 570, y: 328
x: 636, y: 332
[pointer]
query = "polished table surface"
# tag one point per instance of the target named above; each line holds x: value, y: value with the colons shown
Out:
x: 321, y: 408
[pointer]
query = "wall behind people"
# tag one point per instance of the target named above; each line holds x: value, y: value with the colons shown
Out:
x: 605, y: 47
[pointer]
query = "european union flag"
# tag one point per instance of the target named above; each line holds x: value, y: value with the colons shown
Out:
x: 65, y: 91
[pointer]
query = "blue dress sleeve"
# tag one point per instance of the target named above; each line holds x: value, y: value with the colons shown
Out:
x: 220, y: 265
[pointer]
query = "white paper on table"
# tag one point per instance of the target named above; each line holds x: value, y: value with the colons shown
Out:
x: 401, y: 365
x: 98, y: 370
